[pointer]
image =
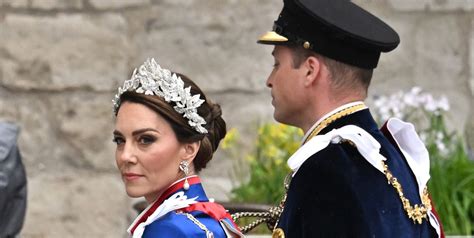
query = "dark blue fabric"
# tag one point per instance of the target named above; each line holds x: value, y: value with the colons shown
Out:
x: 337, y: 193
x: 13, y: 182
x: 180, y: 226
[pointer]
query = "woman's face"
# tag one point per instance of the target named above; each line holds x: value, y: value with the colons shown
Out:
x: 148, y: 153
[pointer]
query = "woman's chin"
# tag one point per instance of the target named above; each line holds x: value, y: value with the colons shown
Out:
x: 134, y: 193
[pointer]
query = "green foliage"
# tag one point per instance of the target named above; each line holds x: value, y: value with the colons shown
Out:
x: 452, y: 179
x: 274, y: 145
x: 452, y: 189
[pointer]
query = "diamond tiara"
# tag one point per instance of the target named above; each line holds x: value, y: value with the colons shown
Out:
x: 151, y: 79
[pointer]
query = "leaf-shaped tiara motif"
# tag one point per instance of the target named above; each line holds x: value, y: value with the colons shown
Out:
x: 151, y: 79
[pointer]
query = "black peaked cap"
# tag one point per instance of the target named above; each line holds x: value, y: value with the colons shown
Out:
x: 337, y: 29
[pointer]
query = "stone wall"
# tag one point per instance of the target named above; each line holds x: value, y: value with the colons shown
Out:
x: 61, y: 62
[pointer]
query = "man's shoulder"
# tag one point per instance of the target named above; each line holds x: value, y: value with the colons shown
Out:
x: 333, y: 157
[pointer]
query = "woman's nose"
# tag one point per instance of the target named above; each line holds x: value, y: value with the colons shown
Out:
x: 127, y: 154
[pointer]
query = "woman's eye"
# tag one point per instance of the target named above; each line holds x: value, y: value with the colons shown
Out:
x: 118, y: 140
x: 276, y: 64
x: 146, y: 140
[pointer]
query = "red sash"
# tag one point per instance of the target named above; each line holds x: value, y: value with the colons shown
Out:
x: 214, y: 210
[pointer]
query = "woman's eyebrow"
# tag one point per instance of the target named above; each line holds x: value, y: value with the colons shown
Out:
x: 140, y: 131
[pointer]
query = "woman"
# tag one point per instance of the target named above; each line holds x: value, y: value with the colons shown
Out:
x: 166, y: 132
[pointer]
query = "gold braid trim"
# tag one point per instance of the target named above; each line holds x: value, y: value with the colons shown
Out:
x: 333, y: 117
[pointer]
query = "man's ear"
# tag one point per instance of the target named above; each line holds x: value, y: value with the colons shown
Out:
x: 313, y: 67
x: 191, y: 150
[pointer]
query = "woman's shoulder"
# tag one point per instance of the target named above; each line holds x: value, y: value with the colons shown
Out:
x: 183, y: 224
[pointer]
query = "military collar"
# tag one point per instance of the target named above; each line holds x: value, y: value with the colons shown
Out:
x: 320, y: 124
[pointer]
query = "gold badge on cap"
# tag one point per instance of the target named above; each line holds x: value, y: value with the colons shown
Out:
x: 271, y: 37
x: 278, y: 233
x: 306, y: 45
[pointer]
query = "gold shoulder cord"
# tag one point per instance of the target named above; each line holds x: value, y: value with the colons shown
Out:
x: 418, y: 212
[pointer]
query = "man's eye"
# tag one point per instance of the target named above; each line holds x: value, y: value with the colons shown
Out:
x: 118, y: 140
x: 276, y: 64
x: 146, y: 140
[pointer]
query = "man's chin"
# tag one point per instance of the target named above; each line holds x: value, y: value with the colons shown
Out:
x: 278, y: 117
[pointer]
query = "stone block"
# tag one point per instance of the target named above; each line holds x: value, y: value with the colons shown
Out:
x: 14, y: 3
x: 85, y: 122
x: 79, y: 204
x: 116, y: 4
x: 56, y: 4
x: 432, y: 5
x: 64, y: 52
x: 440, y: 61
x: 244, y: 110
x: 62, y: 132
x: 41, y: 149
x: 217, y: 49
x: 395, y: 70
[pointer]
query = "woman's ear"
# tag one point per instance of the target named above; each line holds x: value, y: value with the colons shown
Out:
x: 191, y: 150
x: 313, y: 66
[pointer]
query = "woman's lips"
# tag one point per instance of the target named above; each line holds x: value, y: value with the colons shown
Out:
x: 131, y: 176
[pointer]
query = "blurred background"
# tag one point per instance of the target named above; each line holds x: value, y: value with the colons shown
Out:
x: 61, y: 62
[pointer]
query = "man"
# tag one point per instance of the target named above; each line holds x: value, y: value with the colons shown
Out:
x: 349, y: 178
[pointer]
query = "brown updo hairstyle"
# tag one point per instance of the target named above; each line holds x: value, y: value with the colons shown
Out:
x: 211, y: 112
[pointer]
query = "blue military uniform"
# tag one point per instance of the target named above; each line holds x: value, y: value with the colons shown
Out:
x: 184, y: 213
x: 336, y: 192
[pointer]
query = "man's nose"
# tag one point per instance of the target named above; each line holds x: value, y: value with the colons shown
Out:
x: 269, y: 81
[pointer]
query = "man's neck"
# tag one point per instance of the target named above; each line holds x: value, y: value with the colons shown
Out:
x: 328, y: 117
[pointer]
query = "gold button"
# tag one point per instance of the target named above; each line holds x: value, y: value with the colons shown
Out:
x: 306, y: 45
x: 278, y: 233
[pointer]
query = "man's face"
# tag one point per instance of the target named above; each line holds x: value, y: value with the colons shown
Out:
x: 286, y: 84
